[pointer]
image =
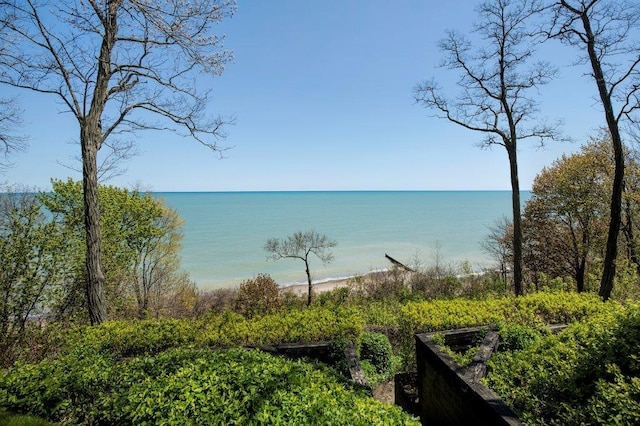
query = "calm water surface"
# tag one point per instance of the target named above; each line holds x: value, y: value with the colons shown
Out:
x: 224, y: 233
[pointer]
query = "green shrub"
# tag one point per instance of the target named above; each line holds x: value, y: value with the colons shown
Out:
x: 515, y: 337
x: 533, y: 310
x: 7, y: 419
x: 186, y: 386
x: 376, y: 348
x: 122, y: 339
x: 383, y: 314
x: 462, y: 358
x: 616, y: 401
x: 587, y: 373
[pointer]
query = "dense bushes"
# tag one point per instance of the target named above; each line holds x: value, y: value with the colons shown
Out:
x: 188, y: 386
x: 229, y: 329
x: 147, y: 368
x: 318, y: 323
x: 587, y: 374
x: 534, y: 310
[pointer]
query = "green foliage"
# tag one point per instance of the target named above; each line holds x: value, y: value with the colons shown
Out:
x: 31, y: 267
x: 141, y: 371
x: 377, y: 358
x: 376, y: 348
x: 183, y: 386
x: 336, y: 297
x: 8, y: 419
x: 532, y: 310
x: 515, y: 337
x: 617, y: 400
x: 382, y: 313
x: 464, y: 357
x: 337, y: 356
x: 566, y: 218
x: 141, y: 240
x: 308, y: 325
x: 148, y: 337
x: 587, y: 374
x: 627, y: 281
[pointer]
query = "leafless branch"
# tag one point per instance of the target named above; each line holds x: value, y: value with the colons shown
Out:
x: 157, y: 52
x: 494, y: 78
x: 11, y: 141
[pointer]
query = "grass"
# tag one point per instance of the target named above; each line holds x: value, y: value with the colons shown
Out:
x: 8, y: 419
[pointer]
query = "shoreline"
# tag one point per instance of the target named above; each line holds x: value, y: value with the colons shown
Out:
x: 328, y: 284
x: 318, y: 287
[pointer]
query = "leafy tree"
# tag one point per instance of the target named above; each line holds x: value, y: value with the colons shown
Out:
x: 31, y: 264
x: 631, y: 206
x: 496, y: 82
x: 605, y: 30
x: 141, y: 241
x: 565, y: 217
x: 155, y: 237
x: 301, y: 245
x: 114, y: 65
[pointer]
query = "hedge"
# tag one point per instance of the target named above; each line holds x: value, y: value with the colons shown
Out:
x: 189, y: 386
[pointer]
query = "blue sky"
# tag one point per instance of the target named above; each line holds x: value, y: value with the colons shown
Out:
x: 322, y: 95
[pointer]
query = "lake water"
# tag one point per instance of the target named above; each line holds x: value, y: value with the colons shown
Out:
x: 225, y: 232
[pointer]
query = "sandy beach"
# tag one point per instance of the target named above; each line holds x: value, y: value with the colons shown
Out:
x: 321, y: 287
x: 331, y: 284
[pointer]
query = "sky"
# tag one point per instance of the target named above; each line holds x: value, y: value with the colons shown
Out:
x: 322, y: 95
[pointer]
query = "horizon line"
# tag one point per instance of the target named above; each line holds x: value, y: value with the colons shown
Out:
x: 331, y: 190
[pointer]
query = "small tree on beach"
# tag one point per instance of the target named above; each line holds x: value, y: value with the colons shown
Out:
x: 301, y: 245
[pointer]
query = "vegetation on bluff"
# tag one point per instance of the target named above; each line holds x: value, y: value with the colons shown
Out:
x: 158, y: 369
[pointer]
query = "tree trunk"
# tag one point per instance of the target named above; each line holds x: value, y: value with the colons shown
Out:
x: 95, y: 277
x: 91, y: 139
x: 306, y: 264
x: 517, y: 221
x: 609, y: 267
x: 580, y: 272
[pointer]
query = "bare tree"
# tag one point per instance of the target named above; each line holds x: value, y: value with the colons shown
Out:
x: 11, y: 141
x: 606, y: 31
x: 118, y: 66
x: 301, y: 245
x: 111, y: 165
x: 10, y: 120
x: 498, y: 244
x: 496, y: 82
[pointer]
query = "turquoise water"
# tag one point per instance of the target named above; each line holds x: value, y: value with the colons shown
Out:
x: 224, y: 232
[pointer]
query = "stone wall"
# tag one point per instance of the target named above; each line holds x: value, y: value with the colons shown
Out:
x: 448, y: 394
